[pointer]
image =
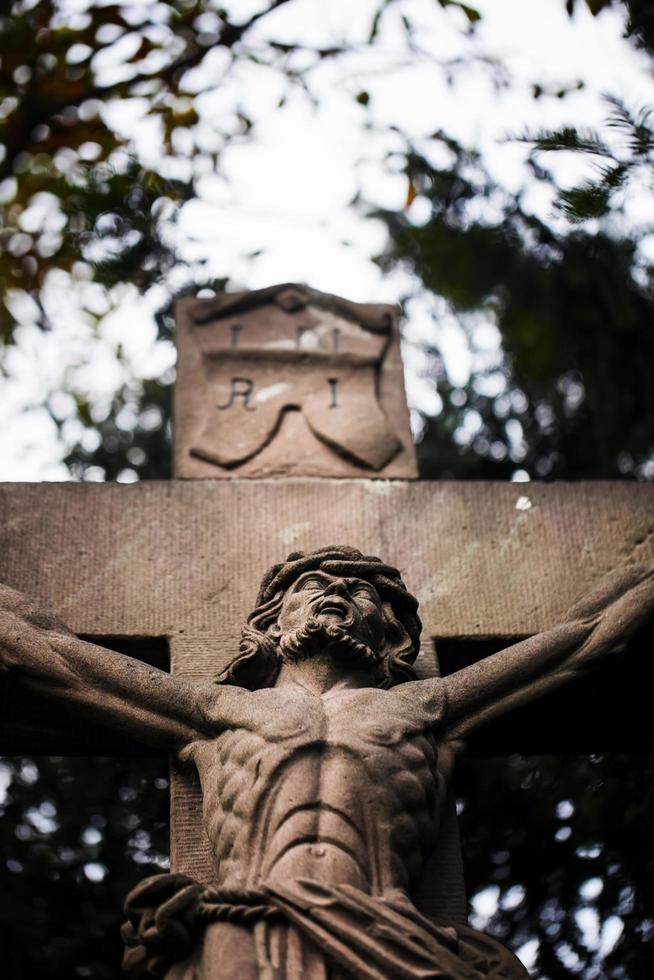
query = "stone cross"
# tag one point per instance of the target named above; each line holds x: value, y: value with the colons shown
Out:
x: 179, y: 562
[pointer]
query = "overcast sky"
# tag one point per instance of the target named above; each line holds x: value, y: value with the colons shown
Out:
x: 286, y: 195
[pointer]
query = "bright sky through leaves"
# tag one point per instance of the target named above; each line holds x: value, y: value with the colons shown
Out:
x: 281, y: 206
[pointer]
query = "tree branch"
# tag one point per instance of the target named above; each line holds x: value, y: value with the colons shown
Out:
x: 41, y: 111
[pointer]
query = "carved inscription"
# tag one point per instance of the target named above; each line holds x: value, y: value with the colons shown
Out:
x: 244, y: 387
x: 267, y: 357
x: 239, y: 388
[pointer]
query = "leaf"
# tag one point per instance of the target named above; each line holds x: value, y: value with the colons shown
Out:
x: 585, y: 202
x: 145, y: 48
x: 636, y: 126
x: 471, y: 13
x: 596, y: 6
x: 568, y: 138
x: 411, y: 194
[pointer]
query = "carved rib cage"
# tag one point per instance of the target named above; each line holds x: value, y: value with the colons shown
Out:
x: 356, y: 782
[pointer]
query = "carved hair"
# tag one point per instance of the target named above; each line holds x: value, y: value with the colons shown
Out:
x: 258, y: 662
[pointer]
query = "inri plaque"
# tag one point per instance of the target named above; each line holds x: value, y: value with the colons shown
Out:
x: 288, y: 381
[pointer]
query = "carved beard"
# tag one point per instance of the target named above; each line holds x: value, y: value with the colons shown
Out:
x: 316, y: 637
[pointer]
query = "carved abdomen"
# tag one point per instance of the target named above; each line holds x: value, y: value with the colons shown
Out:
x: 364, y: 813
x: 314, y: 822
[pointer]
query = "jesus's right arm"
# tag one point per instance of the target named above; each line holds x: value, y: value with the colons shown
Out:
x: 133, y: 697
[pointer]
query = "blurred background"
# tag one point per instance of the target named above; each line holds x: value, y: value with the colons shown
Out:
x: 489, y: 166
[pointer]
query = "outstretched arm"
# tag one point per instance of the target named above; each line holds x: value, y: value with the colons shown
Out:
x: 598, y: 625
x: 138, y: 699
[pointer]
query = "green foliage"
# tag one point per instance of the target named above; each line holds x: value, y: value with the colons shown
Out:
x: 569, y: 396
x: 597, y: 197
x: 73, y: 188
x: 61, y: 153
x: 640, y: 18
x: 564, y: 843
x: 75, y: 836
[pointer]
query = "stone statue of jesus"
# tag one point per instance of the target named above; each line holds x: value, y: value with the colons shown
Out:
x: 324, y: 765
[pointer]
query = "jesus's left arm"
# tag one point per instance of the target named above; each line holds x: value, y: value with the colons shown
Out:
x: 598, y: 625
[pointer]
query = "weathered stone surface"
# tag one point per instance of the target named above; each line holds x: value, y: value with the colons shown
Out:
x: 156, y: 558
x: 486, y: 560
x: 289, y: 381
x: 324, y: 764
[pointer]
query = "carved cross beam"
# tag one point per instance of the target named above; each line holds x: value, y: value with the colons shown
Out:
x: 182, y: 561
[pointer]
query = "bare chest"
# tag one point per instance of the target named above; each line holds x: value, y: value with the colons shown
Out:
x: 357, y: 724
x: 343, y: 769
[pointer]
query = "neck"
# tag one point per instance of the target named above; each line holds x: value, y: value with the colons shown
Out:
x: 322, y: 673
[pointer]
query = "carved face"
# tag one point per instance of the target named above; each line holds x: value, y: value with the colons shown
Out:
x: 351, y: 604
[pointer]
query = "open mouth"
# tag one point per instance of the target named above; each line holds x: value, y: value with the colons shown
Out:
x: 333, y: 607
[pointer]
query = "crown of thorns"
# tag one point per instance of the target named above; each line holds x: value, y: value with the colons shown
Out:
x: 351, y: 563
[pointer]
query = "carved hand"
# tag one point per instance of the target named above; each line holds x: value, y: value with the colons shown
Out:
x: 630, y: 588
x: 597, y: 625
x: 623, y: 601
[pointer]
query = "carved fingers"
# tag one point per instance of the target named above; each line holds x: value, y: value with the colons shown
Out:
x: 622, y: 616
x: 637, y: 578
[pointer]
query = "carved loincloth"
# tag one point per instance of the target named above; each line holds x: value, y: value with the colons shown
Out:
x: 306, y: 931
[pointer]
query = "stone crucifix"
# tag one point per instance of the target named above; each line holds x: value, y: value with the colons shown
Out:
x: 324, y: 753
x: 324, y: 766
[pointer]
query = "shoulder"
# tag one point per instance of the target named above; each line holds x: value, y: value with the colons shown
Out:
x: 223, y: 705
x: 426, y: 699
x: 269, y: 711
